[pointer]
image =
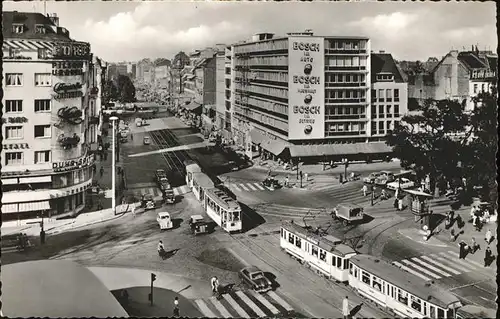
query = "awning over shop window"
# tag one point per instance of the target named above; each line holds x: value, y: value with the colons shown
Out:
x: 38, y: 179
x: 9, y: 208
x: 9, y: 181
x: 191, y: 106
x: 34, y: 206
x: 339, y: 149
x: 276, y: 147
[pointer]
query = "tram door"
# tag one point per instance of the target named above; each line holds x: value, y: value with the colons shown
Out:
x: 224, y: 219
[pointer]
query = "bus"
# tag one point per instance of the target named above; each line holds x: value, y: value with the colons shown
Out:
x: 223, y: 210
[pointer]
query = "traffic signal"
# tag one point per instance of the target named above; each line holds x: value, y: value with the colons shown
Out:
x: 153, y: 277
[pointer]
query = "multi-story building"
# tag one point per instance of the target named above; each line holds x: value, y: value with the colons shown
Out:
x: 162, y: 74
x: 93, y: 115
x: 228, y: 96
x: 389, y: 100
x: 304, y: 97
x: 46, y: 166
x: 220, y: 89
x: 116, y: 69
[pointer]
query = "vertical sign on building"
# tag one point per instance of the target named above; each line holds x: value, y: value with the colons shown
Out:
x: 306, y: 88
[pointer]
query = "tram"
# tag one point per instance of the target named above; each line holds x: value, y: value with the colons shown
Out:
x: 403, y: 293
x: 326, y: 254
x: 191, y: 168
x: 223, y: 210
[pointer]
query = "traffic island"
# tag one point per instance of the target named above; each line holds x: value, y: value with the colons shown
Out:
x: 136, y: 303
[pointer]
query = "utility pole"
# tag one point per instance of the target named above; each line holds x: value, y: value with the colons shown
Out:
x: 373, y: 194
x: 346, y: 163
x: 150, y: 297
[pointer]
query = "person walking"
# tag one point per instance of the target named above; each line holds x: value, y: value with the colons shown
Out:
x: 473, y: 245
x: 101, y: 170
x: 133, y: 209
x: 365, y: 190
x: 487, y: 236
x: 345, y: 307
x: 487, y: 256
x: 463, y: 249
x: 176, y: 307
x: 400, y: 204
x: 452, y: 235
x: 286, y: 181
x: 213, y: 283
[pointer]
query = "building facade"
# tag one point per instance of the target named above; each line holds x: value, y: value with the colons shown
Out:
x: 220, y: 89
x: 304, y: 96
x: 47, y: 166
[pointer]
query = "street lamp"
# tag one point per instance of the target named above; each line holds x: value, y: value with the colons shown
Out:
x: 113, y: 119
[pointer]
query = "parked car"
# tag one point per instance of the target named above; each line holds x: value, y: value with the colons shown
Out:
x: 384, y: 178
x: 370, y: 179
x: 164, y: 220
x: 348, y: 213
x: 255, y: 278
x: 148, y: 201
x: 405, y: 183
x: 271, y: 183
x: 199, y: 225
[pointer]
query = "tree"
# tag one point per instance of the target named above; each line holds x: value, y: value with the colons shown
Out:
x: 110, y: 92
x: 126, y: 89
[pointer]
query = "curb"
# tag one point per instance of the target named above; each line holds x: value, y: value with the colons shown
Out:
x: 57, y: 231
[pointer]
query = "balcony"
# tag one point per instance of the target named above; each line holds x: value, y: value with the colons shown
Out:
x: 330, y: 68
x: 345, y: 51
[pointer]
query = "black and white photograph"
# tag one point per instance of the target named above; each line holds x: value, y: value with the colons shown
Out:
x: 249, y: 159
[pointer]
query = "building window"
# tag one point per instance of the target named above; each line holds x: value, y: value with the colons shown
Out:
x: 14, y: 158
x: 482, y: 88
x: 290, y: 238
x: 17, y: 28
x: 322, y: 255
x: 475, y: 87
x: 14, y: 52
x: 42, y: 131
x: 388, y: 95
x: 43, y: 79
x: 381, y: 111
x: 42, y: 105
x: 396, y: 110
x: 42, y: 53
x: 388, y: 111
x: 381, y: 128
x: 40, y: 29
x: 376, y: 283
x: 13, y: 106
x: 14, y: 132
x: 396, y: 95
x: 13, y: 79
x: 314, y: 251
x: 381, y: 95
x: 42, y: 157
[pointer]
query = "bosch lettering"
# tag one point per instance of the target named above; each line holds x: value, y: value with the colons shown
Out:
x: 306, y: 79
x: 304, y: 46
x: 306, y: 109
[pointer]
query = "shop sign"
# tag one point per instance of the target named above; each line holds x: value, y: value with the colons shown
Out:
x: 73, y: 50
x: 69, y: 95
x: 15, y: 146
x: 306, y: 93
x: 72, y: 164
x: 67, y: 87
x: 482, y: 74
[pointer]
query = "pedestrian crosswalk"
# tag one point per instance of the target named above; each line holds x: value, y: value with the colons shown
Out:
x: 155, y: 191
x: 246, y: 187
x: 438, y: 266
x: 243, y: 304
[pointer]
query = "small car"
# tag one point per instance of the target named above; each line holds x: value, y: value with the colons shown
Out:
x: 255, y: 278
x: 271, y: 183
x: 146, y: 140
x: 164, y: 220
x: 384, y: 178
x: 148, y: 201
x: 159, y: 174
x: 198, y: 225
x: 348, y: 213
x: 405, y: 183
x: 370, y: 179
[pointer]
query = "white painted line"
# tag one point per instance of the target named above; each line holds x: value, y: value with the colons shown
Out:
x: 204, y: 308
x: 279, y: 300
x: 425, y: 271
x: 244, y: 187
x: 251, y: 304
x: 259, y: 186
x: 176, y: 192
x: 411, y: 271
x: 251, y: 187
x: 235, y: 306
x: 456, y: 265
x: 464, y: 263
x: 265, y: 302
x: 441, y: 265
x: 220, y: 308
x: 236, y: 187
x: 436, y: 270
x: 470, y: 261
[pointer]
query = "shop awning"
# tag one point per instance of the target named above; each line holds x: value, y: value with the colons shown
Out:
x: 276, y: 147
x: 339, y: 149
x: 38, y: 179
x: 9, y: 208
x: 9, y: 181
x: 34, y: 206
x: 28, y: 45
x: 192, y: 106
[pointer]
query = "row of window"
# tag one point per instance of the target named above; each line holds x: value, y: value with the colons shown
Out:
x: 484, y: 87
x: 230, y: 216
x: 346, y: 61
x: 262, y: 46
x: 396, y: 293
x: 264, y: 60
x: 19, y: 28
x: 346, y: 44
x: 344, y: 110
x: 268, y: 76
x: 262, y: 118
x: 267, y: 105
x: 17, y: 158
x: 345, y: 94
x: 345, y: 78
x: 382, y: 127
x: 16, y: 106
x: 17, y: 132
x: 282, y: 93
x: 383, y: 94
x: 386, y: 111
x: 17, y: 79
x: 345, y: 127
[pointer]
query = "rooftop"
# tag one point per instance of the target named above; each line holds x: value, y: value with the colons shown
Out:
x: 30, y: 20
x: 385, y: 63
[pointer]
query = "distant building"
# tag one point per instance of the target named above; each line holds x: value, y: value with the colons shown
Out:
x: 116, y: 69
x: 162, y: 74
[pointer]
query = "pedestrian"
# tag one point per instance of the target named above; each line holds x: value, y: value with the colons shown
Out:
x: 286, y: 181
x: 176, y: 307
x: 487, y: 236
x: 331, y: 164
x: 463, y: 249
x: 487, y: 256
x: 101, y: 170
x: 365, y: 190
x: 473, y: 245
x: 345, y: 307
x: 305, y: 176
x: 133, y: 209
x: 474, y: 221
x: 400, y: 204
x: 131, y: 136
x: 396, y: 202
x: 213, y: 282
x: 452, y: 235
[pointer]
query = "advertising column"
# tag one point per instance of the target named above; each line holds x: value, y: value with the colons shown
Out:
x: 306, y: 91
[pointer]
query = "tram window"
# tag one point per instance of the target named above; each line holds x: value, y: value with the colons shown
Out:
x: 282, y: 233
x: 346, y: 263
x: 350, y: 269
x: 432, y: 311
x: 339, y: 263
x: 425, y: 308
x: 416, y: 303
x: 322, y: 255
x: 236, y: 216
x: 298, y: 242
x: 314, y: 251
x: 440, y: 313
x: 334, y: 261
x: 365, y: 277
x: 402, y: 297
x: 290, y: 238
x: 356, y: 272
x: 376, y: 283
x: 392, y: 292
x: 450, y: 314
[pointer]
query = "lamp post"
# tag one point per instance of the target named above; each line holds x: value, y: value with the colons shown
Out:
x: 113, y: 119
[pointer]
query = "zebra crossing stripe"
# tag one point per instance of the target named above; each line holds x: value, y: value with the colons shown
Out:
x: 236, y: 187
x: 235, y: 306
x: 251, y: 304
x: 176, y: 192
x: 441, y: 265
x: 244, y: 187
x: 204, y: 308
x: 469, y: 262
x: 259, y: 186
x: 465, y: 264
x: 220, y: 308
x: 457, y: 265
x: 425, y: 271
x: 251, y: 186
x: 436, y: 270
x: 279, y: 300
x: 411, y: 271
x: 266, y: 303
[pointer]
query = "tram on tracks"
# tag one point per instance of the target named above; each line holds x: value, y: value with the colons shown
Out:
x: 224, y: 210
x: 395, y: 289
x: 325, y: 254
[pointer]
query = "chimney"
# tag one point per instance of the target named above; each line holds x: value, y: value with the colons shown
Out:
x: 53, y: 18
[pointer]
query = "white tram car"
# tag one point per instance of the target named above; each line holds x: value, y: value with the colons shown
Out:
x: 325, y: 254
x: 224, y: 210
x: 404, y: 293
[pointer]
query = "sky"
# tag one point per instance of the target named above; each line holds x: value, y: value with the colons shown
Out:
x: 131, y: 31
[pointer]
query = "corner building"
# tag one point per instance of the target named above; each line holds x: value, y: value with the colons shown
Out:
x: 46, y: 164
x: 304, y: 97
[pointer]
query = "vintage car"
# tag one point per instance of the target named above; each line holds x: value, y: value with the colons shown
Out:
x: 401, y: 183
x: 348, y: 213
x: 384, y: 178
x: 164, y: 220
x: 199, y: 225
x: 271, y: 183
x: 148, y: 202
x: 255, y: 279
x: 370, y: 179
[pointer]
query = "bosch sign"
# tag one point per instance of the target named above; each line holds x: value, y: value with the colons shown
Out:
x: 307, y: 109
x: 306, y: 79
x: 306, y: 46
